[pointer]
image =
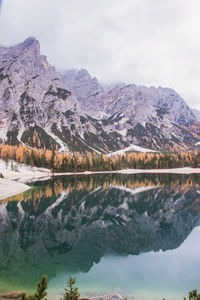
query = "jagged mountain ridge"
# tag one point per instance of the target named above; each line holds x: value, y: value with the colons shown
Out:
x: 145, y: 116
x: 38, y: 109
x: 74, y: 112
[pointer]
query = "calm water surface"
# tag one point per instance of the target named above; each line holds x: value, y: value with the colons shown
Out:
x: 137, y: 235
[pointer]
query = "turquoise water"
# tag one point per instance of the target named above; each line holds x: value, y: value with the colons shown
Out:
x: 136, y: 235
x: 152, y: 275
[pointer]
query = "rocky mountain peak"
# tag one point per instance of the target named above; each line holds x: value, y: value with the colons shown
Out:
x: 32, y: 46
x: 30, y: 41
x: 83, y: 75
x: 24, y: 59
x: 87, y: 89
x: 29, y: 45
x: 73, y: 111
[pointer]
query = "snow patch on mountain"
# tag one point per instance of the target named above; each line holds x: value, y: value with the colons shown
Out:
x: 132, y: 148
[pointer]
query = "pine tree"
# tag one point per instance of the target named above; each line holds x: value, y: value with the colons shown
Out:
x: 71, y: 292
x: 41, y: 291
x: 193, y: 295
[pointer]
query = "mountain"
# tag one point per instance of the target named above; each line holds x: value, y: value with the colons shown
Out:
x: 72, y: 111
x: 89, y: 92
x: 38, y: 109
x: 149, y: 117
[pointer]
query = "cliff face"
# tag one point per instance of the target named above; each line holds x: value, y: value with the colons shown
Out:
x: 38, y: 109
x: 149, y: 117
x: 197, y: 114
x: 74, y: 112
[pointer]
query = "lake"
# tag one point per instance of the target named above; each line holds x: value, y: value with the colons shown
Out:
x: 137, y: 235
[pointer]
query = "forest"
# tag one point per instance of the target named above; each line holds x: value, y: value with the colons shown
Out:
x: 77, y: 162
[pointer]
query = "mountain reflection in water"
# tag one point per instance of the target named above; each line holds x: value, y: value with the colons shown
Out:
x: 70, y: 223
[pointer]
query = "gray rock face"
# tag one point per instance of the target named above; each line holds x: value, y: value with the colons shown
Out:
x: 29, y: 90
x: 151, y: 117
x: 196, y: 113
x: 88, y: 90
x: 144, y: 104
x: 34, y: 101
x: 74, y: 112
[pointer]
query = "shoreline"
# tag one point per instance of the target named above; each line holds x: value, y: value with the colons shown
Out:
x: 10, y: 188
x: 184, y: 171
x: 15, y: 180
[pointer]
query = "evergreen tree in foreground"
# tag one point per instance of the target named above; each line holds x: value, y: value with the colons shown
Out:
x: 193, y: 295
x: 41, y: 291
x: 71, y: 292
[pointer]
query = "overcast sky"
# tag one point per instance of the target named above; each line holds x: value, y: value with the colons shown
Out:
x: 146, y: 42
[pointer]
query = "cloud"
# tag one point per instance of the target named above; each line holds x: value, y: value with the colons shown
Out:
x: 144, y: 42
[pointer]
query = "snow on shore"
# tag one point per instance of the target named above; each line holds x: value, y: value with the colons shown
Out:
x: 10, y: 188
x: 23, y: 173
x: 186, y: 170
x: 16, y: 175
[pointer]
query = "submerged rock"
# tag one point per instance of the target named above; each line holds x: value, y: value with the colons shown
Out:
x: 12, y: 295
x: 113, y: 296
